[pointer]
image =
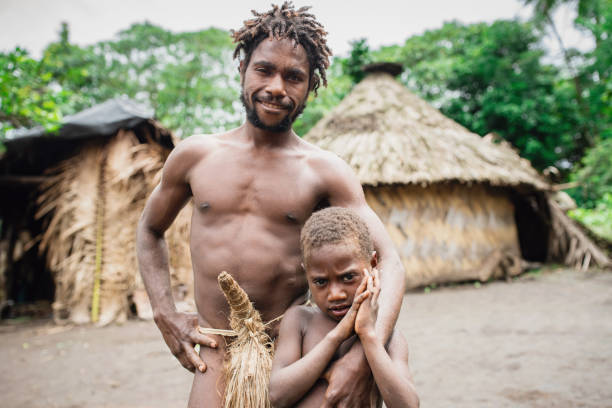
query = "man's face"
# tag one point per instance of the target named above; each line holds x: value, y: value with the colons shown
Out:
x: 275, y: 84
x: 334, y: 272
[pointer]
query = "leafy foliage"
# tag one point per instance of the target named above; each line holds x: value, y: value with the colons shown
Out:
x: 358, y: 57
x: 27, y: 97
x: 491, y: 78
x: 188, y: 78
x: 594, y: 175
x: 598, y: 219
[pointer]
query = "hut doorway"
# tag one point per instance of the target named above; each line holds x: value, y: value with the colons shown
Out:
x: 28, y: 286
x: 532, y: 221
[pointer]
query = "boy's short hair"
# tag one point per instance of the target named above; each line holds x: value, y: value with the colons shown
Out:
x: 334, y: 225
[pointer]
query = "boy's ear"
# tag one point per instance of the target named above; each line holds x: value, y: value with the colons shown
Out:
x: 303, y: 267
x: 374, y: 260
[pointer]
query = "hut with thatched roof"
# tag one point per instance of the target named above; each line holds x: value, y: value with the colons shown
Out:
x: 458, y: 206
x: 72, y: 203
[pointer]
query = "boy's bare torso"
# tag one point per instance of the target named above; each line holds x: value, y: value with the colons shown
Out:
x: 315, y: 326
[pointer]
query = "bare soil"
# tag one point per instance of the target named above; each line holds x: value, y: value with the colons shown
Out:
x: 544, y: 340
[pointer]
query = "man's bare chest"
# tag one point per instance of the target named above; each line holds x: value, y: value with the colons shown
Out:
x: 271, y: 188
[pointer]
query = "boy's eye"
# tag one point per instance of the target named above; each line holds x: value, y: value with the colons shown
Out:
x: 319, y: 282
x: 347, y: 277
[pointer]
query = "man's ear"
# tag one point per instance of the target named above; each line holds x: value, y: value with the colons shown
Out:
x: 374, y: 260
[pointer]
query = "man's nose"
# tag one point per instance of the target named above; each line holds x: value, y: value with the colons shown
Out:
x: 276, y: 86
x: 336, y: 293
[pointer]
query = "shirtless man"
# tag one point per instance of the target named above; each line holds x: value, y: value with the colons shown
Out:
x: 252, y: 189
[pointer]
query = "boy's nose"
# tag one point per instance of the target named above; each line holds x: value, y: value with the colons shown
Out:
x: 336, y: 294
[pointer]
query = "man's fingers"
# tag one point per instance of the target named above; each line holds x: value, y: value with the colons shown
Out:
x: 202, y: 339
x: 185, y: 362
x: 331, y: 398
x: 194, y: 358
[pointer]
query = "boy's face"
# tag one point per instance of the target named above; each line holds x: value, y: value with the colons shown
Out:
x: 334, y: 272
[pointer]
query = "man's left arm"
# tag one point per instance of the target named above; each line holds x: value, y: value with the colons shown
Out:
x: 344, y: 190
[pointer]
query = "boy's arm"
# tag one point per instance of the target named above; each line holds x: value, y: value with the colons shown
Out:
x: 293, y: 375
x: 391, y: 371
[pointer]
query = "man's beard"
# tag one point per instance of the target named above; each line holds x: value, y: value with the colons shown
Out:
x: 282, y: 126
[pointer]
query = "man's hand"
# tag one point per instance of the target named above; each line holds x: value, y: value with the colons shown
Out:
x: 180, y: 332
x: 350, y: 380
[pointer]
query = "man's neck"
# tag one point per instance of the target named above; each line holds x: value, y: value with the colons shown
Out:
x: 265, y: 138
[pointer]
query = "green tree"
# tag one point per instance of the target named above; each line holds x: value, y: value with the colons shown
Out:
x: 27, y: 95
x: 357, y: 59
x: 188, y: 78
x: 491, y: 78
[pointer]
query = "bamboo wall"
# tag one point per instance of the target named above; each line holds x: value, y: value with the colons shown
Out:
x: 449, y: 232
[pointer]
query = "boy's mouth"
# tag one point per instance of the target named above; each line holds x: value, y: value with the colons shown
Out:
x: 339, y: 311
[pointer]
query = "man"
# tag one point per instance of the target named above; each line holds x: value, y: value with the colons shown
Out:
x: 252, y: 189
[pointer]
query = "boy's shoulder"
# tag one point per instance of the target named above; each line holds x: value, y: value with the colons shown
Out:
x: 301, y: 312
x: 303, y: 316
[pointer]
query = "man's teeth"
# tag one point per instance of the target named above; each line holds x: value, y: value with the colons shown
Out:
x: 272, y: 105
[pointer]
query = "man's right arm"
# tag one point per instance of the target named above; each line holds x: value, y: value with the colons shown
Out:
x: 178, y: 329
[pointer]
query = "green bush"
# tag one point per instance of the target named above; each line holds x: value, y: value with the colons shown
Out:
x: 598, y: 219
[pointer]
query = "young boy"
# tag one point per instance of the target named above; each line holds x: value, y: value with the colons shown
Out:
x: 340, y: 261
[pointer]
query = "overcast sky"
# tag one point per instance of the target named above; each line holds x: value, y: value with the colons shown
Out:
x: 32, y: 24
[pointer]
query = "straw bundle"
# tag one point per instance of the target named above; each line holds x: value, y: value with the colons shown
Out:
x: 249, y: 354
x: 91, y: 206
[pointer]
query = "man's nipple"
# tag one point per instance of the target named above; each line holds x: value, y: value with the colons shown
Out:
x: 204, y: 206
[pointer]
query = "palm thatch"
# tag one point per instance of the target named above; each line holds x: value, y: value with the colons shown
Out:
x: 447, y: 196
x: 92, y: 203
x: 389, y: 135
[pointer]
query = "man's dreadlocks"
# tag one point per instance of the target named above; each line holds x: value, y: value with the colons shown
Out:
x: 287, y: 22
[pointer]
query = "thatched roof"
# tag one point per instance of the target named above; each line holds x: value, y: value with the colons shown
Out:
x: 389, y: 135
x: 34, y: 150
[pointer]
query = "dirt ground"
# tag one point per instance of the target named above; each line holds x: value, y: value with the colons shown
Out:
x: 544, y: 340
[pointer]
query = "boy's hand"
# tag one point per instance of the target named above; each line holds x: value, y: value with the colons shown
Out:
x: 346, y: 326
x: 365, y: 321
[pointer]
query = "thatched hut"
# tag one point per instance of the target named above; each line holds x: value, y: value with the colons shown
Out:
x: 68, y: 229
x: 458, y: 206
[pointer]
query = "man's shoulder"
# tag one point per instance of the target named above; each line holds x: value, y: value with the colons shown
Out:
x: 197, y: 147
x: 321, y: 160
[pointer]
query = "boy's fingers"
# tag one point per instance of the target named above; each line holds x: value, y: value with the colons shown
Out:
x: 194, y: 358
x: 360, y: 298
x: 362, y: 285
